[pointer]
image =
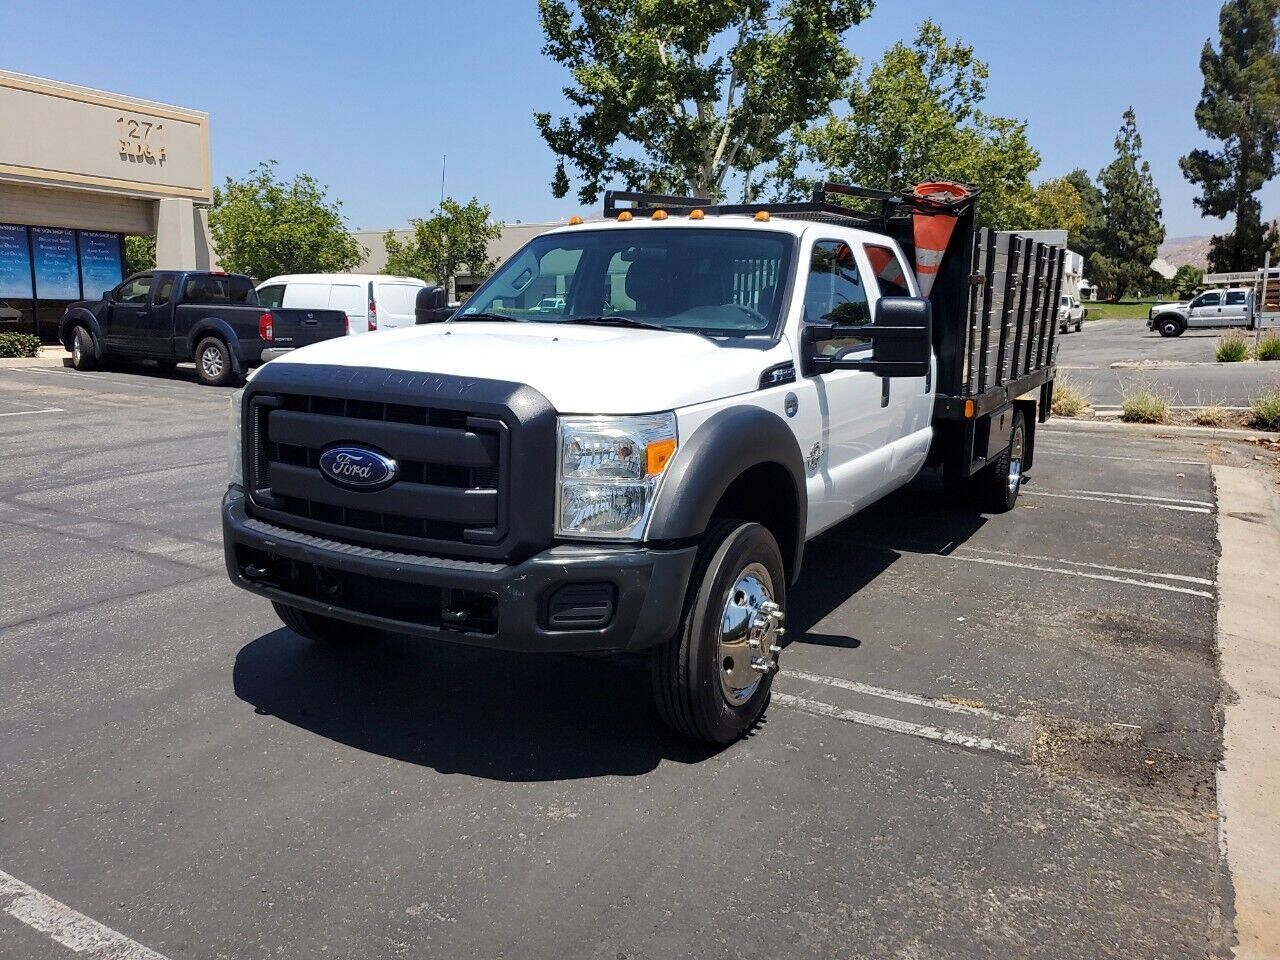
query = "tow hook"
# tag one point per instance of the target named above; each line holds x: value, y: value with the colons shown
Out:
x: 255, y: 571
x: 766, y: 631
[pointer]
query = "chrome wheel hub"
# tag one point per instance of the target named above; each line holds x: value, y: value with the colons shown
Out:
x: 750, y: 631
x: 75, y: 350
x: 211, y: 361
x: 1015, y: 462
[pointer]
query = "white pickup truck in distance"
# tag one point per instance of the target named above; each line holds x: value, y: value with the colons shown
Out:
x: 641, y: 470
x: 1213, y: 308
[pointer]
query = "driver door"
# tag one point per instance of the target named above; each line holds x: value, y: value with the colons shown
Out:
x: 849, y: 465
x: 1206, y: 310
x: 129, y: 311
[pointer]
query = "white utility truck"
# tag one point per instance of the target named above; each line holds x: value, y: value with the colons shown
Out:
x: 639, y: 468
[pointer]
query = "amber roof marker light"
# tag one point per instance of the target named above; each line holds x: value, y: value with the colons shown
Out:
x: 658, y: 215
x: 624, y: 216
x: 574, y: 221
x: 762, y: 215
x: 696, y: 214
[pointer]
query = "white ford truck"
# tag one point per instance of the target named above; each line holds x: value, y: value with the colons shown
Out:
x: 639, y: 467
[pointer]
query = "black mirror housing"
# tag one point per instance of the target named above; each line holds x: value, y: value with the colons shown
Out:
x: 901, y: 340
x: 431, y: 305
x: 109, y: 295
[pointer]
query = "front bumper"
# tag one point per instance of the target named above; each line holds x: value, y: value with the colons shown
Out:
x: 504, y: 606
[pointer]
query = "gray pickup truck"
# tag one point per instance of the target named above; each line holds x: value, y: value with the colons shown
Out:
x: 208, y: 317
x: 1213, y: 308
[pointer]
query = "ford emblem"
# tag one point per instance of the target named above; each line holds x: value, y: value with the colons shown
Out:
x: 358, y: 468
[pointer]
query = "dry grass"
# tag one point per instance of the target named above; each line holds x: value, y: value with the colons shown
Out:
x: 1145, y: 407
x: 1069, y: 398
x: 1213, y: 416
x: 1233, y: 347
x: 1265, y: 412
x: 1268, y: 347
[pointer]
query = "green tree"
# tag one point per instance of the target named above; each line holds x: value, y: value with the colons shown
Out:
x: 264, y: 226
x: 1186, y: 281
x: 1239, y: 107
x: 917, y: 114
x: 1131, y: 211
x: 139, y: 254
x: 1057, y: 205
x: 1088, y: 238
x: 453, y: 237
x: 674, y: 95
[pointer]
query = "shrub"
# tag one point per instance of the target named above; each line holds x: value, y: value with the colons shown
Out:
x: 1265, y: 412
x: 19, y: 345
x: 1145, y: 407
x: 1268, y: 347
x: 1212, y: 416
x: 1069, y: 400
x: 1233, y: 347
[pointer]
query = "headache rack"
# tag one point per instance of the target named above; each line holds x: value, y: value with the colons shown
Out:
x: 881, y: 205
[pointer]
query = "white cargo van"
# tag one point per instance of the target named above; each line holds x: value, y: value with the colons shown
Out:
x: 371, y: 301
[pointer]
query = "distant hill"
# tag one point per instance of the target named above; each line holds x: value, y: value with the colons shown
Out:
x: 1186, y: 250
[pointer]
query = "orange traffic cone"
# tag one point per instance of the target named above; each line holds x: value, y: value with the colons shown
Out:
x: 887, y: 267
x: 934, y: 221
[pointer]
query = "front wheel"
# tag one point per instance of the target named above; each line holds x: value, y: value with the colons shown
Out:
x: 1004, y: 477
x: 213, y: 362
x: 82, y: 353
x: 712, y: 680
x: 1170, y: 327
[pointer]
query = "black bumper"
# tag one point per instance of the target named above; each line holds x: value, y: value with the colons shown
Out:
x: 632, y: 595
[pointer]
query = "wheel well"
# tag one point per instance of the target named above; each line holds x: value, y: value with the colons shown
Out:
x: 765, y: 494
x: 1171, y: 316
x: 69, y: 331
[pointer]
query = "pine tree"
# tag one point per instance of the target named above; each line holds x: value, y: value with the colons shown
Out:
x: 1239, y: 107
x: 1131, y: 211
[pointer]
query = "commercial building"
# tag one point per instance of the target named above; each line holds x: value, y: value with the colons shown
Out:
x: 79, y: 170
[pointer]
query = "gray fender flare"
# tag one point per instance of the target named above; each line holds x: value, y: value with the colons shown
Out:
x: 723, y: 448
x: 220, y: 327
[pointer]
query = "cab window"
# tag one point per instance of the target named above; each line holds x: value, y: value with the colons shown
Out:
x: 135, y: 290
x: 272, y: 297
x: 891, y: 275
x: 834, y: 293
x: 164, y: 290
x: 1207, y: 300
x: 1235, y: 298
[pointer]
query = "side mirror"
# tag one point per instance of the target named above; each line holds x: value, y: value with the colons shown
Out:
x: 109, y: 296
x: 430, y: 305
x: 901, y: 340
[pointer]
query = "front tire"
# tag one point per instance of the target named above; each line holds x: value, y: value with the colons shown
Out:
x: 213, y: 362
x: 1003, y: 478
x: 1170, y: 326
x: 83, y: 356
x: 313, y: 626
x: 712, y: 680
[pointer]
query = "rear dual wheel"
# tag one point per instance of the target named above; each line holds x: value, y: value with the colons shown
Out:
x: 712, y: 680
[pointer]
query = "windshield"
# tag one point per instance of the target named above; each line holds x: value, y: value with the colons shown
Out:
x: 706, y: 280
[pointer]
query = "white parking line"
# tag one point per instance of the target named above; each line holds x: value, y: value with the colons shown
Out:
x: 1140, y: 496
x: 1113, y: 499
x: 1095, y: 566
x: 939, y: 734
x: 1102, y: 456
x: 23, y: 413
x: 68, y: 927
x: 897, y: 695
x: 1151, y: 584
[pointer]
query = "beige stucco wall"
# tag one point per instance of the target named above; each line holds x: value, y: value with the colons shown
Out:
x: 76, y: 209
x: 58, y: 134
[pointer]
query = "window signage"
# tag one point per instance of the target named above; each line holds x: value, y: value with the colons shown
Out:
x: 57, y: 273
x: 100, y: 267
x: 15, y: 263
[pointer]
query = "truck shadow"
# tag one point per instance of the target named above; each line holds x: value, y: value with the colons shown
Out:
x: 485, y: 713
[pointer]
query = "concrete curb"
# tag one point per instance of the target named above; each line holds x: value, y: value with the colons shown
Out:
x: 1181, y: 430
x: 1249, y: 654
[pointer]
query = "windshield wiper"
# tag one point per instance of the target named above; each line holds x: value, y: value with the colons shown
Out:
x: 619, y: 322
x: 495, y: 317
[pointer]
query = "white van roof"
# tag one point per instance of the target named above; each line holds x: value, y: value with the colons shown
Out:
x: 340, y: 278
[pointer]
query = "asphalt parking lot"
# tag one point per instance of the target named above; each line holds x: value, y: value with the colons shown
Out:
x: 993, y: 737
x: 1195, y: 379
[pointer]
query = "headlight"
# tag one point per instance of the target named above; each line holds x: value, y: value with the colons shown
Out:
x: 610, y: 468
x: 235, y: 448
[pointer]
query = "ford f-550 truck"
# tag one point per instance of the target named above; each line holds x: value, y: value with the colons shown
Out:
x: 210, y: 317
x: 639, y: 466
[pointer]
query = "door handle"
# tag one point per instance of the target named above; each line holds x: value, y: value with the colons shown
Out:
x: 884, y: 391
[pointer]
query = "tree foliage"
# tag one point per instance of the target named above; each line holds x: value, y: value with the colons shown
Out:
x: 1240, y: 108
x: 1186, y: 281
x: 139, y: 254
x: 675, y: 94
x: 1057, y: 205
x: 455, y: 236
x: 917, y: 114
x: 264, y: 226
x: 1088, y: 238
x: 1131, y: 213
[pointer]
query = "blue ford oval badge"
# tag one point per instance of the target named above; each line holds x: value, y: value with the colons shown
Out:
x: 358, y: 468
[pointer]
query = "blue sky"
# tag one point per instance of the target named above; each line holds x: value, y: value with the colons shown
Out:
x: 368, y: 96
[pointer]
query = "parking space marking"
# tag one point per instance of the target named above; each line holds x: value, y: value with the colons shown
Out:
x: 23, y: 413
x: 1102, y: 456
x: 66, y: 926
x: 819, y: 708
x: 1116, y: 499
x: 1150, y: 584
x: 898, y: 695
x: 1140, y: 496
x: 1095, y: 566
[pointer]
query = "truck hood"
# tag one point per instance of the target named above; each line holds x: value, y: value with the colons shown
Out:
x: 579, y: 369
